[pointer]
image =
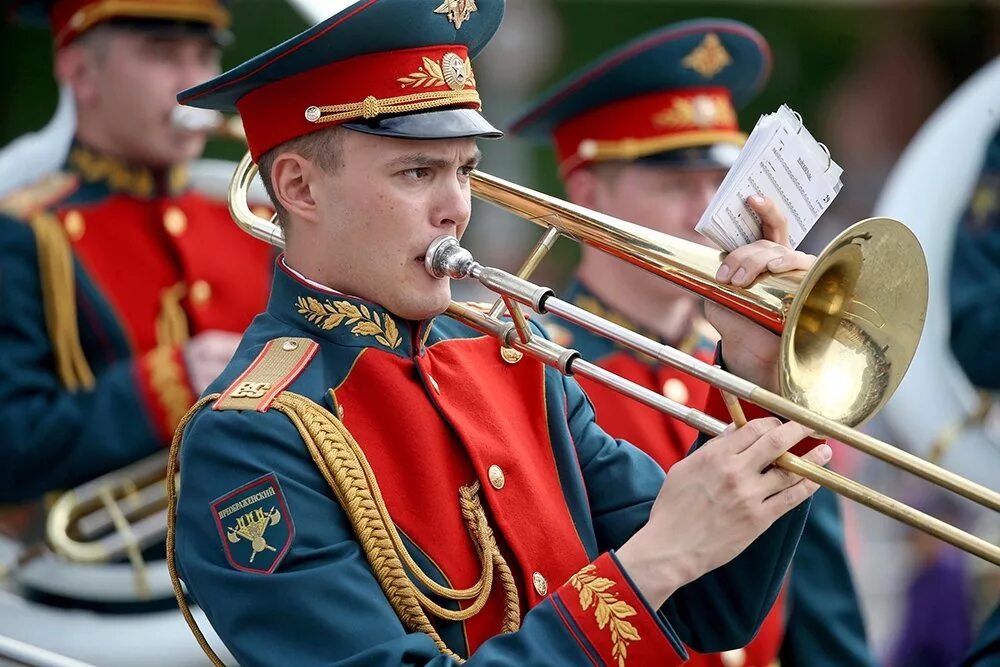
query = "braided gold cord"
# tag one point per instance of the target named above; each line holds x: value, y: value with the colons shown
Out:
x: 344, y: 474
x: 371, y: 106
x: 342, y: 454
x: 175, y: 453
x: 480, y: 590
x: 345, y: 468
x: 58, y: 282
x: 486, y: 544
x: 171, y: 322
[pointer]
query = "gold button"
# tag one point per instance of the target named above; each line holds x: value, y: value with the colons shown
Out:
x: 175, y: 221
x: 496, y: 476
x: 289, y: 345
x: 541, y: 586
x: 510, y: 355
x: 676, y: 390
x: 434, y: 383
x: 201, y: 292
x: 75, y: 227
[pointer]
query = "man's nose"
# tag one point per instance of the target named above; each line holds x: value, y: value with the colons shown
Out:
x: 456, y: 205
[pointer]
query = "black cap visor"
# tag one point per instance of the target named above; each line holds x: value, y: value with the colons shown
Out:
x: 173, y: 29
x: 714, y: 156
x: 438, y: 124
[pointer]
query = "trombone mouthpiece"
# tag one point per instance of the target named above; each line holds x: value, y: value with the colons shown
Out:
x: 445, y: 258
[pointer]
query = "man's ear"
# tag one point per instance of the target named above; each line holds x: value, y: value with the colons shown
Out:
x: 78, y: 67
x: 291, y: 179
x: 583, y: 188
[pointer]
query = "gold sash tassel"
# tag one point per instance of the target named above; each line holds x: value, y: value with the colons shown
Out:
x: 55, y: 264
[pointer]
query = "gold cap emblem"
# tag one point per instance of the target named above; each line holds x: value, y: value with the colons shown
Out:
x: 708, y: 58
x: 458, y: 11
x: 455, y: 71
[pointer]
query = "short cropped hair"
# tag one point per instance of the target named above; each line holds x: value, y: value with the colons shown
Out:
x: 322, y: 147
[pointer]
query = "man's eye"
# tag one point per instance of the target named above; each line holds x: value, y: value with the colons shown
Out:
x: 417, y: 173
x: 466, y: 171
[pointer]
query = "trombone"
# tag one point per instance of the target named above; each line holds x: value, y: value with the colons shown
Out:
x: 849, y: 328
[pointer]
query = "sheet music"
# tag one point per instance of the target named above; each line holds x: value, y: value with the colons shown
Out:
x: 780, y: 160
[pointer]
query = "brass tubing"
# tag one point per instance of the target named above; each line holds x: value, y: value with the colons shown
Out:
x: 775, y: 403
x: 531, y: 263
x: 856, y: 315
x: 547, y: 352
x: 685, y: 263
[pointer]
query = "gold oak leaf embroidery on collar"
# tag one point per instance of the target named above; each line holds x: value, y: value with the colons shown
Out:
x: 328, y: 316
x: 609, y: 611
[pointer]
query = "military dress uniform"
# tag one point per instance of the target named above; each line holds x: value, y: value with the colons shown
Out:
x: 975, y: 278
x: 106, y: 269
x: 358, y: 489
x: 668, y: 99
x: 816, y: 620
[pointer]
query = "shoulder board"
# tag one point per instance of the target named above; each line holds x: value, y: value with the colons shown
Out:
x: 278, y: 364
x: 33, y: 199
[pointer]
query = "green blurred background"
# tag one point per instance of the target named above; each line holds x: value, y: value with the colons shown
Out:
x: 812, y: 43
x: 864, y: 74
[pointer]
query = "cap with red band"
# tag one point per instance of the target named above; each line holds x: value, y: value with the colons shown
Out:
x: 668, y: 92
x: 69, y: 19
x: 394, y: 67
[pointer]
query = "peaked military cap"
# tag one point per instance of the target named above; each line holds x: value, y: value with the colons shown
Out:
x: 69, y: 19
x: 669, y: 97
x: 399, y: 68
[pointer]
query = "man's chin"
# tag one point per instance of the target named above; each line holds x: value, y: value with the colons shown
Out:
x: 428, y: 309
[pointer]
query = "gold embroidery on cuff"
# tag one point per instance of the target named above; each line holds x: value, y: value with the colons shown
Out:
x: 609, y: 610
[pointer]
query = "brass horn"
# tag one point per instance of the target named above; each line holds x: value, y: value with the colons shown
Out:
x: 117, y: 514
x: 212, y: 123
x: 848, y: 334
x: 123, y: 512
x: 446, y: 258
x: 849, y: 328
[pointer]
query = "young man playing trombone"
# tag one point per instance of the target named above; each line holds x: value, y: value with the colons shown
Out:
x: 646, y: 134
x: 370, y: 482
x: 116, y: 305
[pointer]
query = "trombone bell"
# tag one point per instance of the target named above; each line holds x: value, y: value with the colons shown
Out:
x: 855, y: 321
x: 849, y: 326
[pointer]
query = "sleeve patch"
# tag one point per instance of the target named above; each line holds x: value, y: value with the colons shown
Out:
x: 255, y: 525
